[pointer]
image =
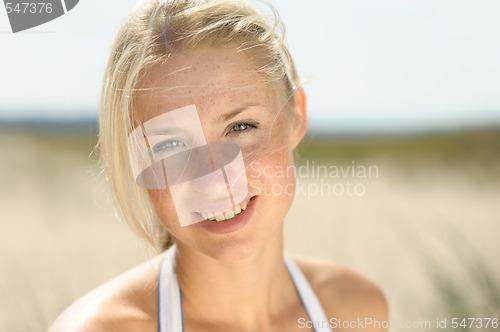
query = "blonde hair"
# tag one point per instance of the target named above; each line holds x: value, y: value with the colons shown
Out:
x: 151, y: 32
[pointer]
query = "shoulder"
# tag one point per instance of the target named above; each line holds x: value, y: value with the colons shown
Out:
x: 126, y: 303
x: 345, y: 294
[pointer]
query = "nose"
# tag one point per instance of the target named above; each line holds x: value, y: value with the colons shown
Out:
x: 228, y: 157
x: 215, y: 172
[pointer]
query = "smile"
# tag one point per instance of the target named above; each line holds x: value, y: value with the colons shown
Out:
x: 225, y: 215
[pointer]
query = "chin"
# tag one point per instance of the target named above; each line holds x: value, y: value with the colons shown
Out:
x: 262, y: 232
x: 233, y: 251
x: 245, y: 245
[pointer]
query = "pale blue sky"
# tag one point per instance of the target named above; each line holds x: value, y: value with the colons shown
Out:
x: 369, y: 64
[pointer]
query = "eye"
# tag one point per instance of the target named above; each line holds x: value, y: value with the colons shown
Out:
x: 244, y: 126
x: 168, y: 145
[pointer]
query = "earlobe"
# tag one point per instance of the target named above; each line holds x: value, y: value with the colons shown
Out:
x: 299, y: 117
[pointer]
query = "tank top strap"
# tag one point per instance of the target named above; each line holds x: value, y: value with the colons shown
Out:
x: 309, y: 299
x: 169, y: 296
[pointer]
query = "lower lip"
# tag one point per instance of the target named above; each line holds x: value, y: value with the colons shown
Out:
x: 231, y: 225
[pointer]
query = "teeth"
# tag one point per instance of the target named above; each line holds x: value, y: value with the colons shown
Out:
x: 226, y: 215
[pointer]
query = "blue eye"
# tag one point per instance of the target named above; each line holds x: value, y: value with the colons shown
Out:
x: 243, y: 126
x: 170, y: 144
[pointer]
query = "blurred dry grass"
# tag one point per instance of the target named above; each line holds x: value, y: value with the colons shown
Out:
x: 473, y: 152
x: 426, y: 229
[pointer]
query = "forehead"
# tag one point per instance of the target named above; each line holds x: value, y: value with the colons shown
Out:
x: 207, y: 78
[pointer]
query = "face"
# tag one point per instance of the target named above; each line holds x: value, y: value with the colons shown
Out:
x: 236, y: 106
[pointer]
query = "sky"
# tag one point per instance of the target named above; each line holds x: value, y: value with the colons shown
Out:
x: 368, y: 65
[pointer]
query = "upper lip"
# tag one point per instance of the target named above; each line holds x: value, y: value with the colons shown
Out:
x: 210, y: 208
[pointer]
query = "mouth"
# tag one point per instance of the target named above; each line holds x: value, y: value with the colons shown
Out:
x: 231, y: 220
x: 222, y: 216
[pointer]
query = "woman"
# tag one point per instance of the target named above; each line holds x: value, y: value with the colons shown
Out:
x: 194, y: 90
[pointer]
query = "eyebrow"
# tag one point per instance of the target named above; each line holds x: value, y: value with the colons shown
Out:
x: 165, y: 131
x: 228, y: 116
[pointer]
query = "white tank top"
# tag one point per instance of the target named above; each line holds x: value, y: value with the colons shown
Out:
x: 170, y: 298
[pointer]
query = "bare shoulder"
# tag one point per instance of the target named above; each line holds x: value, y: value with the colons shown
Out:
x: 126, y: 303
x: 345, y: 294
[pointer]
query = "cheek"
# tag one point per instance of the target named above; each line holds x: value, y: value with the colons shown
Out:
x: 270, y: 166
x: 164, y: 206
x: 272, y: 173
x: 165, y: 209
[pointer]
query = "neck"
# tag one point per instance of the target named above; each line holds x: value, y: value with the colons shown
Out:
x: 249, y: 292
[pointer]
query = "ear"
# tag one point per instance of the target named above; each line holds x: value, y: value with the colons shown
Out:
x: 299, y: 114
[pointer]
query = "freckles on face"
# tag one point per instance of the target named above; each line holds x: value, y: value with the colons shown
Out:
x: 216, y: 81
x: 271, y: 171
x: 235, y: 104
